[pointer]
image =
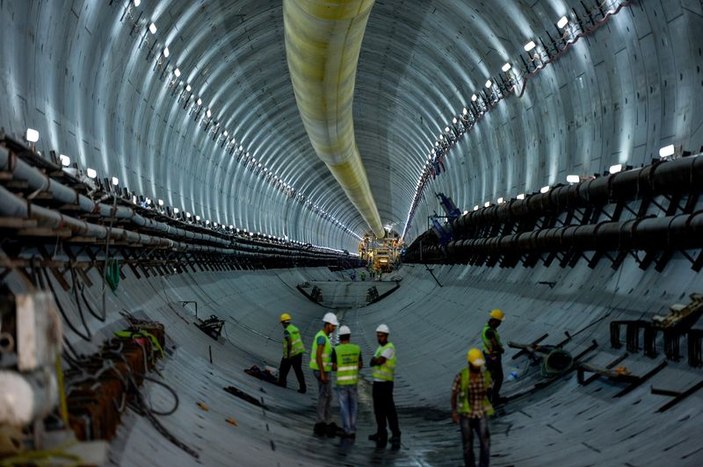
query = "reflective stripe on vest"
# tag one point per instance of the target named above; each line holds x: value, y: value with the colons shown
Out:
x: 347, y: 364
x: 385, y: 372
x: 464, y: 405
x: 487, y: 346
x: 296, y: 343
x: 326, y: 353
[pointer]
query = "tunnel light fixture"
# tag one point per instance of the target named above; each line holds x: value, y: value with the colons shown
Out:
x: 446, y: 129
x: 197, y: 218
x: 530, y: 46
x: 137, y: 3
x: 573, y: 178
x: 160, y: 202
x: 506, y: 67
x: 464, y: 111
x: 544, y: 189
x: 199, y: 101
x: 615, y: 168
x: 208, y: 113
x: 134, y: 199
x: 454, y: 120
x: 207, y: 222
x: 466, y: 212
x: 188, y: 88
x: 65, y: 160
x: 177, y: 72
x: 176, y: 210
x: 115, y: 181
x: 501, y: 200
x: 166, y: 52
x: 474, y: 98
x: 489, y: 83
x: 486, y: 204
x: 91, y: 173
x: 32, y: 135
x: 521, y: 196
x: 152, y: 28
x: 563, y: 21
x: 667, y: 151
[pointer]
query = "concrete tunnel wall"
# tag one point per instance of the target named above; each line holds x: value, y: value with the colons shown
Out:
x: 431, y: 327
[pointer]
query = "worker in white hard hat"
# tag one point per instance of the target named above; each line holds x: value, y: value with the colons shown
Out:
x: 493, y: 350
x: 293, y: 350
x: 321, y: 364
x: 346, y: 361
x: 383, y: 373
x: 471, y: 407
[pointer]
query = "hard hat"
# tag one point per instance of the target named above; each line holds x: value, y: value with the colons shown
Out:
x: 330, y: 318
x: 285, y: 317
x: 344, y: 331
x: 475, y: 357
x: 497, y: 314
x: 383, y: 328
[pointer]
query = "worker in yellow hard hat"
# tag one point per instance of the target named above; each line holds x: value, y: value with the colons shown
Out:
x: 493, y: 350
x: 471, y: 407
x: 293, y: 350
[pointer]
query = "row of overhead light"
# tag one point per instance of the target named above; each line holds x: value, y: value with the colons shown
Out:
x: 228, y: 141
x: 665, y: 153
x: 481, y: 102
x: 32, y: 136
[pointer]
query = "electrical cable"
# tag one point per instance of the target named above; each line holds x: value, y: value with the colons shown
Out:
x: 86, y: 337
x: 78, y: 285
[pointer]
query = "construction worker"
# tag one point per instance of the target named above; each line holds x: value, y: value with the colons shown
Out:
x: 383, y: 373
x: 346, y: 361
x: 321, y: 364
x: 471, y: 387
x: 494, y: 350
x: 293, y: 350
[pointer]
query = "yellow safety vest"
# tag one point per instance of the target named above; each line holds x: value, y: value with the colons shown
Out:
x: 296, y: 343
x: 326, y: 353
x: 385, y: 372
x: 464, y: 405
x: 347, y: 364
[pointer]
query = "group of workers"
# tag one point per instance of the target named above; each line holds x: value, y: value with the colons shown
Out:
x: 344, y: 359
x: 475, y: 389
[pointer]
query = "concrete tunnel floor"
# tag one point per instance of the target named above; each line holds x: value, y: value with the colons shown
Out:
x: 432, y: 326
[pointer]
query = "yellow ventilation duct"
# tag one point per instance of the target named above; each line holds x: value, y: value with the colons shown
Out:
x: 323, y: 39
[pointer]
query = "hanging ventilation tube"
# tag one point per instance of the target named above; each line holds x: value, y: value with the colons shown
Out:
x: 323, y: 40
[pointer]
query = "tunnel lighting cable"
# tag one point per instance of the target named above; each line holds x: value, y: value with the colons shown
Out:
x: 479, y: 108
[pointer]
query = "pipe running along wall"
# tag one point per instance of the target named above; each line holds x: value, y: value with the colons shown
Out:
x: 323, y: 41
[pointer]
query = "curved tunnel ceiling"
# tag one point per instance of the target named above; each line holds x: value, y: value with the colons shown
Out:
x: 94, y: 81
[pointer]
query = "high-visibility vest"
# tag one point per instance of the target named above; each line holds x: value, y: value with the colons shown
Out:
x: 385, y: 372
x: 326, y: 353
x: 487, y: 345
x: 347, y: 364
x: 296, y: 343
x: 464, y: 405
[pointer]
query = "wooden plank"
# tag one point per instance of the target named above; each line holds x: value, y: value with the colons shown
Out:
x: 44, y: 232
x: 16, y: 223
x: 681, y: 397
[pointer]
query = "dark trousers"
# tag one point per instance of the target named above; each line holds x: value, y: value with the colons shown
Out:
x: 480, y: 426
x: 297, y: 363
x: 384, y: 408
x: 494, y: 365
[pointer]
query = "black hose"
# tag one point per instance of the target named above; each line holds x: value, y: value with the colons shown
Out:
x: 86, y: 337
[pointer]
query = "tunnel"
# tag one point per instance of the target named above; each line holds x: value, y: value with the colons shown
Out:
x: 177, y: 167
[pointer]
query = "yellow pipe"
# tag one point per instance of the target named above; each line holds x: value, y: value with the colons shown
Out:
x: 323, y: 40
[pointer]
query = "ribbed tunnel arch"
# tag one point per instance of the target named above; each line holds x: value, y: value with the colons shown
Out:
x: 96, y: 83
